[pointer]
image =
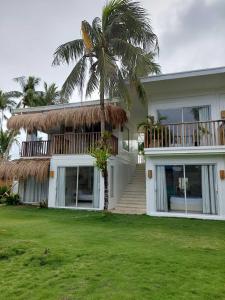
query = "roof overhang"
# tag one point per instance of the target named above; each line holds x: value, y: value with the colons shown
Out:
x: 190, y: 81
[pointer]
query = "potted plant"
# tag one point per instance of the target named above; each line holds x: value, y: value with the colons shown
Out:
x: 156, y: 134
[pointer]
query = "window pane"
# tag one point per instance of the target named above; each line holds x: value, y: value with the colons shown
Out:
x: 170, y: 189
x: 170, y: 116
x: 85, y: 186
x: 83, y: 192
x: 175, y: 188
x: 70, y: 186
x: 193, y: 114
x: 193, y: 177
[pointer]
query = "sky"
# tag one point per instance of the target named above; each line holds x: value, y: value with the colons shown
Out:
x: 191, y: 35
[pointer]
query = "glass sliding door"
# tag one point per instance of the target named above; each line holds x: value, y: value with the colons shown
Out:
x: 193, y: 177
x: 187, y: 189
x: 175, y: 188
x: 78, y: 187
x: 85, y: 187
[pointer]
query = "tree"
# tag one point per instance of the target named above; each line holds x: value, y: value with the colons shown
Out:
x: 7, y: 138
x: 6, y: 103
x: 29, y: 95
x: 118, y: 47
x: 51, y: 95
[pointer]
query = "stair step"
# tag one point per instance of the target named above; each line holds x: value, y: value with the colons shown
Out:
x: 128, y: 202
x: 133, y: 197
x: 130, y: 206
x: 133, y: 200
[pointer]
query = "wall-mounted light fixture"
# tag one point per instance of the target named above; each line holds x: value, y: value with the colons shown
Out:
x: 149, y: 174
x: 222, y: 174
x: 51, y: 174
x: 222, y: 114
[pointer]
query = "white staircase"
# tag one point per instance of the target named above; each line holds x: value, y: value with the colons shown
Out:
x: 133, y: 200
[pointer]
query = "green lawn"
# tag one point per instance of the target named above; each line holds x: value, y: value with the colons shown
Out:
x: 62, y: 254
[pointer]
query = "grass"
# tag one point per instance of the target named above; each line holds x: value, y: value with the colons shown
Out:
x: 62, y: 254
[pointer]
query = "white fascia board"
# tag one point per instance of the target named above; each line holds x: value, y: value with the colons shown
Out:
x: 187, y: 151
x: 185, y: 74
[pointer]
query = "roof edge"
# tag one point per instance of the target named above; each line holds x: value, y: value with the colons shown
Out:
x: 39, y: 109
x: 184, y: 74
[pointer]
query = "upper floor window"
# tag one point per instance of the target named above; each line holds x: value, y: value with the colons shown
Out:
x: 185, y: 114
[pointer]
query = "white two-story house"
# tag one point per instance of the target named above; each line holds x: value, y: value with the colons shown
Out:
x: 182, y: 173
x: 185, y: 153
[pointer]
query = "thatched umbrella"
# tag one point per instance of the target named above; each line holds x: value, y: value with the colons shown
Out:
x: 86, y: 116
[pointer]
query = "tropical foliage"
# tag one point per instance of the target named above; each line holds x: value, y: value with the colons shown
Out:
x: 118, y: 47
x: 51, y: 95
x: 31, y: 97
x: 6, y: 103
x: 7, y: 138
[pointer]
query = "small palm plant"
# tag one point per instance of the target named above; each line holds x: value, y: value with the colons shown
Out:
x: 153, y: 130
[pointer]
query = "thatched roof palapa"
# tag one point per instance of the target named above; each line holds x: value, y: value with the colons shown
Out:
x: 86, y: 115
x: 23, y: 168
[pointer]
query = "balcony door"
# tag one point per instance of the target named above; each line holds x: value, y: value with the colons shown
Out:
x: 194, y: 132
x: 78, y: 187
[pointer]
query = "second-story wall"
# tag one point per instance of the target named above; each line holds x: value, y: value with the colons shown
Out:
x: 214, y: 99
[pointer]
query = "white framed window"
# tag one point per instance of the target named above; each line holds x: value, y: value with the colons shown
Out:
x: 78, y: 187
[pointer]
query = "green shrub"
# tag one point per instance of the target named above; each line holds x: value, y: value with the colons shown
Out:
x: 4, y: 190
x: 43, y: 204
x: 12, y: 199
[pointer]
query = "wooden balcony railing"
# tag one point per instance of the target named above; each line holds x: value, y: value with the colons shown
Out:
x: 190, y: 134
x: 36, y: 148
x: 69, y: 143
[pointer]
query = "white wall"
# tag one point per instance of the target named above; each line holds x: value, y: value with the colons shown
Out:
x: 152, y: 162
x: 215, y: 99
x: 123, y: 172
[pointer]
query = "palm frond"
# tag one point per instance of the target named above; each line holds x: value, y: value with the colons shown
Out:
x: 68, y: 52
x: 75, y: 79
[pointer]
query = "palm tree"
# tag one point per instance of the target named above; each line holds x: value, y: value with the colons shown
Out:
x: 7, y: 138
x: 113, y: 53
x: 6, y: 103
x: 30, y: 96
x: 51, y: 95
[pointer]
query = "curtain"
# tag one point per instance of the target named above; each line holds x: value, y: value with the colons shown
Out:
x: 96, y: 188
x: 61, y: 187
x: 204, y: 128
x: 161, y: 189
x: 32, y: 191
x: 203, y: 114
x: 209, y: 196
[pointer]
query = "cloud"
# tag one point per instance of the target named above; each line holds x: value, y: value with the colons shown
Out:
x: 194, y: 36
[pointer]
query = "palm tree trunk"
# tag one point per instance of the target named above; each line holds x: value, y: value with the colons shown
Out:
x: 2, y: 117
x: 102, y: 106
x: 105, y: 171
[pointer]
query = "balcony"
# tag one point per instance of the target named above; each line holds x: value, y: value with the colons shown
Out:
x: 193, y: 134
x: 69, y: 143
